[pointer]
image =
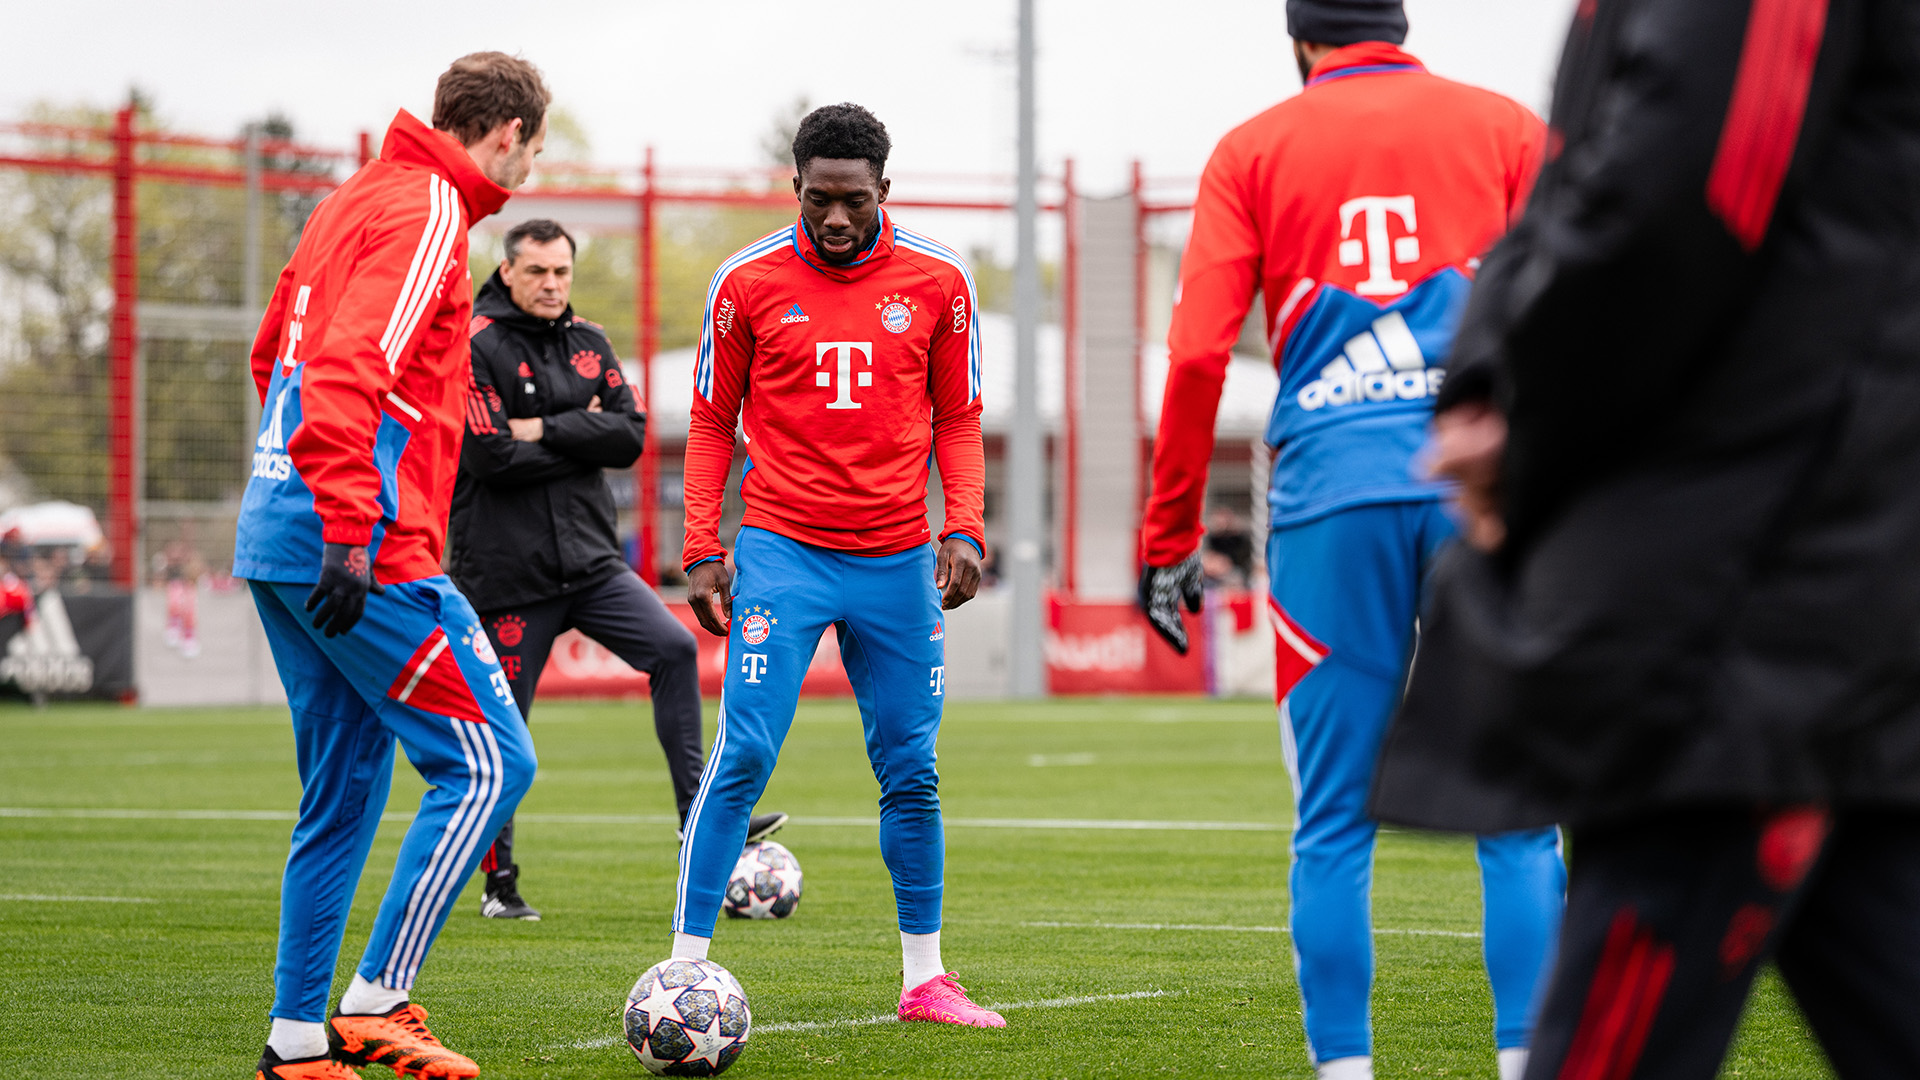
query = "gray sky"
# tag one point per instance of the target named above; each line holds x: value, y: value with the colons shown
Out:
x: 1119, y: 79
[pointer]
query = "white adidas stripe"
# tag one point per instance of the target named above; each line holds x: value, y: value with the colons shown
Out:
x: 693, y: 813
x: 476, y: 834
x: 436, y: 268
x: 428, y: 237
x: 452, y: 850
x: 703, y: 365
x: 913, y: 241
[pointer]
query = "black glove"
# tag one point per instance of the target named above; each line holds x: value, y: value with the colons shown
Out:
x: 1162, y: 589
x: 346, y: 577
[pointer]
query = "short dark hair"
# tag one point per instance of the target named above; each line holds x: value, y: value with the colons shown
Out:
x: 539, y: 230
x: 843, y: 131
x: 483, y: 90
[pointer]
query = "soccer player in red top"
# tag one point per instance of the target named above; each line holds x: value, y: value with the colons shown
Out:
x: 362, y: 369
x: 1359, y: 208
x: 846, y: 349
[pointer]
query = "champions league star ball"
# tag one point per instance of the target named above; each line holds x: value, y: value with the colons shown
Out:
x: 687, y: 1018
x: 765, y: 883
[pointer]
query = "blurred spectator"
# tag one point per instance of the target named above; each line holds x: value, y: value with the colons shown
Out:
x: 1226, y: 556
x: 15, y: 597
x: 179, y: 568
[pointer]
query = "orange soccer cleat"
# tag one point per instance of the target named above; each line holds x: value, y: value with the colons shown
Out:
x: 944, y: 1001
x: 274, y: 1067
x: 398, y: 1039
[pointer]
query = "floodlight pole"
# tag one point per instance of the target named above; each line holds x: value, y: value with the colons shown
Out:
x: 1025, y: 450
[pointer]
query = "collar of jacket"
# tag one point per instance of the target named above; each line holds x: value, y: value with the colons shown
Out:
x: 496, y: 302
x: 1363, y: 58
x: 871, y: 259
x: 410, y: 142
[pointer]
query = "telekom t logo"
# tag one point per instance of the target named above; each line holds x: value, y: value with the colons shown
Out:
x: 753, y: 665
x: 938, y: 683
x: 1375, y: 250
x: 845, y: 380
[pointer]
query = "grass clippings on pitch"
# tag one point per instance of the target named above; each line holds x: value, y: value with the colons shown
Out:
x: 1116, y: 883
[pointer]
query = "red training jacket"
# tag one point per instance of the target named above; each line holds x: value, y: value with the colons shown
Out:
x: 362, y: 367
x: 1359, y: 209
x: 848, y: 381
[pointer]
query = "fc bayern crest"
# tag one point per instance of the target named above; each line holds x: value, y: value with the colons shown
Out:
x: 896, y: 318
x: 482, y: 647
x: 755, y: 629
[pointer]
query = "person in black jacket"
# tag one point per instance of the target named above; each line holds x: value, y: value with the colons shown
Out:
x: 532, y: 540
x: 1684, y: 411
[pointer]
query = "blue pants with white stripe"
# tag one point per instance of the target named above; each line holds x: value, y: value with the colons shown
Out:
x: 1352, y: 582
x: 893, y: 645
x: 419, y: 669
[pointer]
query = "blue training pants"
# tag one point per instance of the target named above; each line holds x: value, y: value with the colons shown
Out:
x: 419, y: 669
x: 893, y: 645
x: 1351, y: 582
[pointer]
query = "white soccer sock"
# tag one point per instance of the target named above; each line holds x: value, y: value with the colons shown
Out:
x: 919, y: 959
x: 688, y: 947
x: 365, y: 998
x: 1513, y: 1063
x: 1359, y: 1067
x: 296, y: 1039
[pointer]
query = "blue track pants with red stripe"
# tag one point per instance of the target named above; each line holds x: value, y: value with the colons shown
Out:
x: 417, y: 669
x: 1347, y: 588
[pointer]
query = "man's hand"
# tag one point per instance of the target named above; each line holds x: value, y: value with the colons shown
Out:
x: 346, y: 577
x: 594, y: 405
x: 710, y: 595
x: 1162, y: 590
x: 528, y: 430
x: 956, y: 572
x: 1468, y: 443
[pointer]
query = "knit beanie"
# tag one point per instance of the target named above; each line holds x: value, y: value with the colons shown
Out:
x: 1344, y: 22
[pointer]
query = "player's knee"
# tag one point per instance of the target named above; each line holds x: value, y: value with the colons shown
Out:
x: 517, y: 767
x: 680, y: 653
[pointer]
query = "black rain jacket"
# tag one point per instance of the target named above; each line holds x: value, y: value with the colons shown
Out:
x: 532, y: 521
x: 1705, y: 334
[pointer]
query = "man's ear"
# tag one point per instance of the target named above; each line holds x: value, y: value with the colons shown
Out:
x: 886, y: 185
x: 505, y: 265
x: 796, y: 185
x: 510, y: 138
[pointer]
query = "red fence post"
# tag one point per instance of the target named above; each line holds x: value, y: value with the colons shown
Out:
x: 366, y: 148
x: 123, y: 527
x: 1070, y: 396
x: 646, y: 504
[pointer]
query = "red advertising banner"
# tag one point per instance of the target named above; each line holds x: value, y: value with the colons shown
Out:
x: 581, y: 668
x: 1110, y: 649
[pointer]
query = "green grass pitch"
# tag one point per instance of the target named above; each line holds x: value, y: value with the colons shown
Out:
x: 136, y: 937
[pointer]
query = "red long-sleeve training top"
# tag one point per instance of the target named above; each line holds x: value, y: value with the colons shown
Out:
x: 848, y: 381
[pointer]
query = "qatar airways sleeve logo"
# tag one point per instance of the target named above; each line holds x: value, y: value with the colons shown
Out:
x: 1375, y: 247
x: 841, y: 376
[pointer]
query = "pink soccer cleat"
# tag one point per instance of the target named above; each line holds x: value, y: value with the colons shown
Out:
x: 944, y: 1001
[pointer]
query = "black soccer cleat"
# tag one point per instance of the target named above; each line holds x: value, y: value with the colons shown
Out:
x: 502, y: 897
x: 761, y: 826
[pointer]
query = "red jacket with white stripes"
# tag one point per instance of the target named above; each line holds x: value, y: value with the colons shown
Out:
x: 362, y: 367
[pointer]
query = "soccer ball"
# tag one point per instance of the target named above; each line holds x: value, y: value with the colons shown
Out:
x: 687, y: 1018
x: 765, y: 883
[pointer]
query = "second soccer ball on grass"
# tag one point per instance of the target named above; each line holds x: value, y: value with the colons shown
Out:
x: 765, y: 883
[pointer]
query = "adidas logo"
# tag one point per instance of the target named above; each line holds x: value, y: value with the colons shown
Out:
x: 45, y: 658
x: 1381, y: 364
x: 268, y: 462
x: 794, y: 315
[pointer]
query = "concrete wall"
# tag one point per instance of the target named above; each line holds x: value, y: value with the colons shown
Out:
x: 1109, y: 465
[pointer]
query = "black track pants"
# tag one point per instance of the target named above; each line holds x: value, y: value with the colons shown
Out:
x: 1670, y: 917
x: 627, y: 617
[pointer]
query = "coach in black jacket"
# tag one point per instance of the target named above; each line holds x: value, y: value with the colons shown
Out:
x: 1685, y: 412
x: 533, y: 542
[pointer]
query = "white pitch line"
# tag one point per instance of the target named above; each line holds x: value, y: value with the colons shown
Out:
x: 36, y: 898
x: 1218, y: 928
x: 1040, y: 824
x: 892, y: 1018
